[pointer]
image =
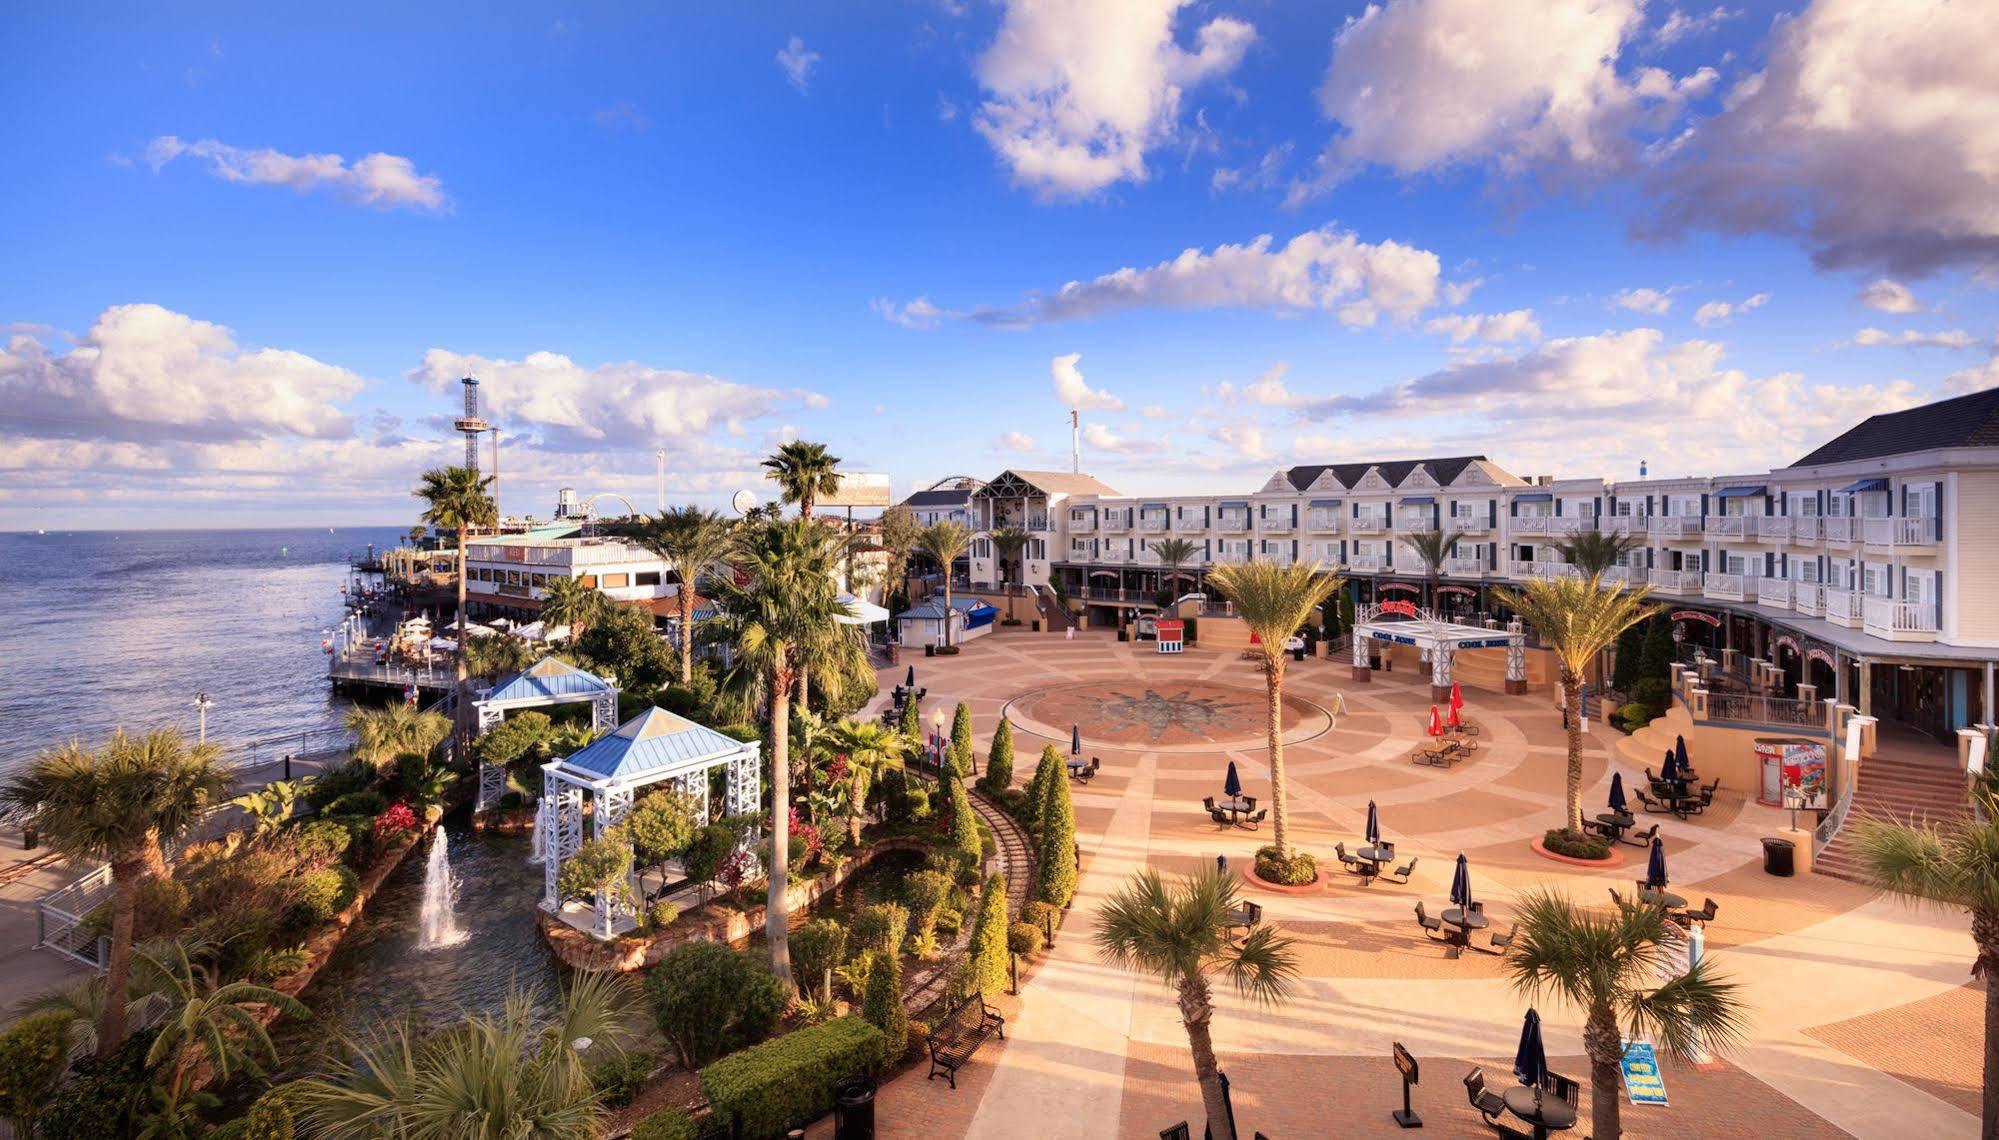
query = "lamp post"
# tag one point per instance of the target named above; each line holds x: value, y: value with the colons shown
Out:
x: 201, y: 703
x: 937, y: 735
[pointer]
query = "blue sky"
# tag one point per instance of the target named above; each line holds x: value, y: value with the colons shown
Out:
x: 1298, y: 232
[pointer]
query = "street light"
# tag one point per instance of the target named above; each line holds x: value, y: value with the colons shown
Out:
x: 201, y: 703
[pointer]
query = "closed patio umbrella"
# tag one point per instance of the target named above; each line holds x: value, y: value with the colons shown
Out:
x: 1617, y: 800
x: 1453, y: 720
x: 1457, y: 700
x: 1373, y: 825
x: 1461, y: 884
x: 1076, y: 739
x: 1232, y: 783
x: 1670, y: 770
x: 1436, y: 722
x: 909, y: 682
x: 1530, y: 1061
x: 1655, y: 868
x: 1680, y: 753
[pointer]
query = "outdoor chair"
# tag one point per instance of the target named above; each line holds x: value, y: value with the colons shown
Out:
x: 1642, y: 838
x: 1432, y: 927
x: 1208, y: 802
x: 1256, y: 821
x: 1403, y: 872
x: 1489, y: 1104
x: 1654, y: 807
x: 1705, y: 914
x: 1219, y: 816
x: 1567, y: 1088
x: 1361, y: 867
x: 1501, y: 941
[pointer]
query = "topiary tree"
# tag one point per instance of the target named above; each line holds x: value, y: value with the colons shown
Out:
x: 816, y: 948
x: 883, y: 1005
x: 912, y: 722
x: 34, y: 1052
x: 709, y: 1000
x: 964, y: 824
x: 1624, y: 671
x: 1024, y: 939
x: 989, y: 950
x: 961, y: 740
x: 1657, y: 659
x: 926, y: 892
x: 1048, y: 772
x: 879, y: 928
x: 1056, y: 857
x: 998, y: 776
x: 660, y: 827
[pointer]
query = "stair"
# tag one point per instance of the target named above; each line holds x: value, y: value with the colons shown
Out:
x: 1224, y: 635
x: 1054, y: 618
x: 1906, y: 791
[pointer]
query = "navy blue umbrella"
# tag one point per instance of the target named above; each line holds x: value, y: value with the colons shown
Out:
x: 1530, y: 1061
x: 909, y: 682
x: 1617, y: 801
x: 1655, y: 869
x: 1373, y: 825
x: 1076, y: 739
x: 1671, y: 770
x: 1461, y: 885
x: 1232, y: 783
x: 1680, y: 753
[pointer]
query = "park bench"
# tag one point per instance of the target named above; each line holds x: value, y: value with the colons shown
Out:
x: 963, y: 1028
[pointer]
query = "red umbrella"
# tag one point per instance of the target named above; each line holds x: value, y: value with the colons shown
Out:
x: 1454, y: 722
x: 1436, y: 722
x: 1457, y: 701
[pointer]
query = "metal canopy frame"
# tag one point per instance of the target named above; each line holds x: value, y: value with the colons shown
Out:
x: 1440, y: 641
x: 603, y: 698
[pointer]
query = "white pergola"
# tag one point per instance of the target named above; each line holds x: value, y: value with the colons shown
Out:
x: 653, y: 747
x: 547, y: 682
x: 1439, y: 640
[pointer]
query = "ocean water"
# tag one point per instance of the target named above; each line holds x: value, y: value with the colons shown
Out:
x: 102, y: 629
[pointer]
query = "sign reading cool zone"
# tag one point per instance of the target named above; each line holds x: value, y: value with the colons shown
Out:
x: 1642, y: 1081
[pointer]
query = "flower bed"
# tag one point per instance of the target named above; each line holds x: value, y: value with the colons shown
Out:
x: 1577, y: 856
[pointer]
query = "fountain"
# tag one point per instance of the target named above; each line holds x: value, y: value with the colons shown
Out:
x: 437, y: 924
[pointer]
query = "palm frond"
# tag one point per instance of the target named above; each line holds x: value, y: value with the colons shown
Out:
x: 1694, y: 1013
x: 1577, y: 617
x: 1274, y: 601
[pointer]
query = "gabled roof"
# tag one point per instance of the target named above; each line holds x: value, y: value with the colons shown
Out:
x: 550, y: 679
x: 1444, y: 471
x: 1048, y: 483
x: 648, y: 742
x: 1964, y: 421
x: 948, y: 497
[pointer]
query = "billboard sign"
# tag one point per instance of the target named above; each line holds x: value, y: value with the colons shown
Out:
x: 858, y: 489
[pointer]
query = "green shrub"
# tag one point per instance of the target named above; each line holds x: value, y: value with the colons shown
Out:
x: 1634, y: 716
x: 1048, y: 918
x: 323, y: 894
x: 1655, y: 692
x: 999, y: 762
x: 883, y: 1007
x: 1055, y: 865
x: 881, y: 927
x: 104, y: 1096
x: 159, y: 908
x: 961, y: 740
x: 1296, y: 871
x: 948, y: 650
x: 620, y: 1079
x: 1024, y: 939
x: 770, y: 1087
x: 949, y: 922
x: 328, y: 786
x: 988, y: 951
x: 1193, y: 631
x: 318, y: 843
x: 663, y: 914
x: 1562, y: 841
x: 709, y: 1000
x: 364, y: 804
x: 925, y: 892
x: 34, y: 1052
x: 671, y: 1123
x: 270, y: 1118
x: 817, y: 947
x: 964, y: 824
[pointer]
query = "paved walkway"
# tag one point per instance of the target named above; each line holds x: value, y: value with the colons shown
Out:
x: 1096, y: 1052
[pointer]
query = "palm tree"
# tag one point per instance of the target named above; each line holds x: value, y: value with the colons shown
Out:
x: 457, y: 500
x: 1953, y: 864
x: 945, y: 541
x: 1172, y: 553
x: 786, y: 610
x: 213, y: 1024
x: 271, y: 805
x: 1181, y: 933
x: 1274, y: 601
x: 870, y: 747
x: 133, y: 796
x: 1431, y: 547
x: 574, y: 603
x: 1607, y: 964
x: 385, y: 733
x: 696, y: 542
x: 1595, y: 552
x: 83, y: 1001
x: 803, y: 472
x: 1578, y: 618
x: 1010, y: 540
x: 488, y: 1077
x: 495, y: 656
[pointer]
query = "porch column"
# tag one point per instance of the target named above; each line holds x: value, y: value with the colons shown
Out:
x: 1361, y: 672
x: 1442, y: 657
x: 604, y: 711
x: 745, y: 781
x: 492, y: 785
x: 564, y: 807
x: 1516, y: 662
x: 1865, y: 699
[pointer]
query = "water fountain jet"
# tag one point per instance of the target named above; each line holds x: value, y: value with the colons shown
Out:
x: 438, y: 920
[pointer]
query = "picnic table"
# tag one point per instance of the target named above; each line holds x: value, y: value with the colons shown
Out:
x: 1237, y: 805
x: 1613, y: 824
x: 1464, y: 923
x: 1377, y: 854
x: 1076, y: 764
x: 1544, y: 1112
x: 1661, y: 895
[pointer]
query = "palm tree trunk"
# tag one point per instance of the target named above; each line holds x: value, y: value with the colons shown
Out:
x: 125, y: 875
x: 775, y: 914
x: 1572, y: 720
x: 947, y: 603
x: 1280, y: 805
x: 461, y: 707
x: 686, y: 632
x: 1606, y: 1050
x: 1195, y: 1013
x: 1985, y: 933
x: 156, y: 856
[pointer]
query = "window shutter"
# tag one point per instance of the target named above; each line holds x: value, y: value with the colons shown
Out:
x: 1703, y: 504
x: 1492, y: 512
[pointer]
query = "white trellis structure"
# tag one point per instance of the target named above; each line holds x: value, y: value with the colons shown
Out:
x: 549, y: 681
x: 1400, y: 623
x: 652, y: 748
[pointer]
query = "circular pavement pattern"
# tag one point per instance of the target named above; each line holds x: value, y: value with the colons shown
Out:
x: 1162, y: 715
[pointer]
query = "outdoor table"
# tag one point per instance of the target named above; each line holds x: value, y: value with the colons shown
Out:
x: 1614, y: 824
x: 1657, y: 895
x: 1549, y: 1114
x: 1236, y: 805
x: 1077, y: 765
x: 1377, y: 855
x: 1465, y: 924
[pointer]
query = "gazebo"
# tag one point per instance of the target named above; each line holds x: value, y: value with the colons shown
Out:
x: 1402, y: 623
x: 652, y: 747
x: 549, y: 681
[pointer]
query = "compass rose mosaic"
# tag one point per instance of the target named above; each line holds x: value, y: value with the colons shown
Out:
x: 1166, y: 713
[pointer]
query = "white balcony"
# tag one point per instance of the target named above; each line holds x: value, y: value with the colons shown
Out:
x: 1774, y: 593
x: 1622, y: 524
x: 1900, y: 621
x: 1039, y: 524
x: 1686, y: 582
x: 1526, y: 525
x: 1730, y: 587
x: 1082, y: 524
x: 1369, y: 524
x: 1116, y: 521
x: 1735, y: 526
x: 1468, y: 524
x: 1621, y: 576
x: 1674, y: 526
x: 1464, y: 567
x: 1774, y: 528
x: 1843, y: 607
x: 1415, y: 524
x: 1808, y: 598
x: 1894, y: 532
x: 1836, y: 530
x: 1367, y: 563
x: 1232, y: 554
x: 1539, y: 569
x: 1156, y: 524
x: 1322, y: 522
x: 1232, y: 522
x: 1275, y: 524
x: 1277, y: 557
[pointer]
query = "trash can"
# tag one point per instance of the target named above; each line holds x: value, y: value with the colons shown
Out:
x: 1036, y: 623
x: 854, y: 1109
x: 1123, y: 634
x: 1778, y: 857
x: 930, y: 651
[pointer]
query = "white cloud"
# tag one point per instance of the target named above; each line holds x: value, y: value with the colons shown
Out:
x: 1074, y: 391
x: 1155, y: 412
x: 1653, y: 301
x: 1715, y: 312
x: 1890, y: 296
x: 147, y: 373
x: 1079, y: 90
x: 621, y: 117
x: 1974, y: 379
x: 1103, y: 439
x: 1869, y: 135
x: 1013, y: 441
x: 918, y: 314
x: 1267, y: 390
x: 1494, y: 328
x: 797, y: 62
x: 383, y: 181
x: 622, y: 404
x: 1910, y: 338
x: 1678, y: 25
x: 1267, y: 174
x: 1323, y: 269
x: 947, y: 111
x: 1246, y: 440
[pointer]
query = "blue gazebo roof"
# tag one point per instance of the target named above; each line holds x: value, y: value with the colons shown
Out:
x: 653, y: 740
x: 549, y: 679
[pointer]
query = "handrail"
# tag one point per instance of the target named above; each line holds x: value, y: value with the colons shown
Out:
x: 1836, y: 818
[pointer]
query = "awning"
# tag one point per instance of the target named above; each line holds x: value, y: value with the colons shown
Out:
x: 1243, y: 505
x: 1535, y: 497
x: 1419, y: 501
x: 860, y: 611
x: 1740, y: 492
x: 1325, y: 502
x: 1860, y: 486
x: 1153, y: 507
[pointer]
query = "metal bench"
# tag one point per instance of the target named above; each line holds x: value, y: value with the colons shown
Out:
x: 964, y: 1027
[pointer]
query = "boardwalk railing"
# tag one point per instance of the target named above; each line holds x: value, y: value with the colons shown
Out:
x: 61, y: 914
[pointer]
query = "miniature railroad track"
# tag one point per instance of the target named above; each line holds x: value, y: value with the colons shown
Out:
x: 1016, y: 858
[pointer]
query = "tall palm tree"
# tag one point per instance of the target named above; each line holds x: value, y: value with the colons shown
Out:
x: 1181, y: 933
x: 457, y: 500
x: 1594, y: 552
x: 385, y: 733
x: 1273, y: 602
x: 696, y: 542
x: 1952, y: 864
x: 1578, y: 618
x: 945, y: 541
x: 804, y: 471
x: 1172, y: 553
x: 1431, y: 547
x: 491, y: 1076
x: 871, y: 747
x: 574, y: 603
x: 213, y: 1024
x: 1009, y: 541
x: 118, y: 803
x: 787, y: 608
x: 495, y: 656
x: 1607, y: 963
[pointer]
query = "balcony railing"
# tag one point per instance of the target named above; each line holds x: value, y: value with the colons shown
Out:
x: 1730, y: 587
x: 1117, y: 521
x: 1843, y: 607
x: 1415, y: 524
x: 1038, y: 523
x: 1774, y: 592
x: 1369, y: 524
x: 1468, y: 524
x: 1733, y: 526
x: 1465, y: 567
x: 1539, y: 569
x: 1155, y: 524
x: 1899, y: 620
x: 1622, y: 524
x: 1367, y: 563
x: 1275, y: 524
x: 1085, y: 524
x: 1775, y: 528
x: 1232, y: 522
x: 1686, y: 582
x: 1674, y: 526
x: 1552, y: 524
x: 1276, y: 557
x: 1916, y: 531
x: 1745, y: 708
x: 1322, y: 522
x: 1621, y: 576
x: 1232, y: 554
x: 1838, y: 530
x: 1808, y: 598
